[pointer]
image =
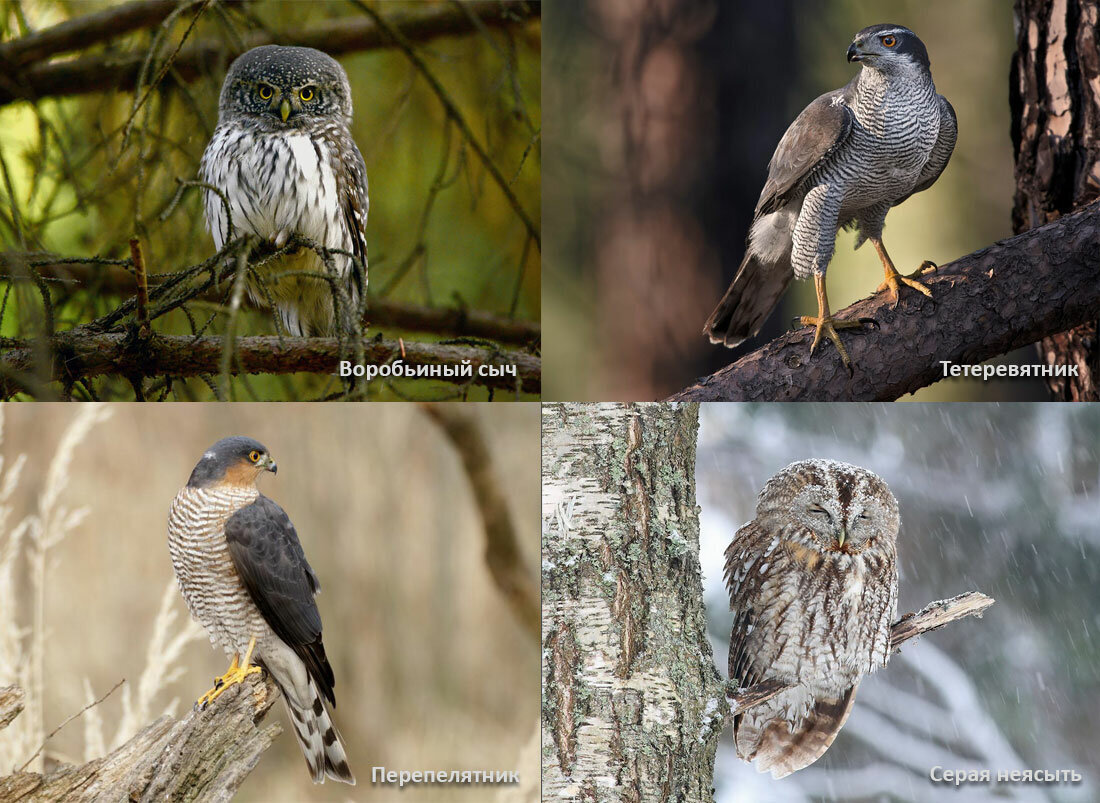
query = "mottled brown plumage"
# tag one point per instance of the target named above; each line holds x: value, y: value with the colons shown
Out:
x: 813, y: 587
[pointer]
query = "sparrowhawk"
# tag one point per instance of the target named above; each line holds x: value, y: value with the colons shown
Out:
x: 245, y: 578
x: 846, y: 160
x: 284, y: 160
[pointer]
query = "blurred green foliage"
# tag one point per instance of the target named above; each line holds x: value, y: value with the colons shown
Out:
x: 83, y: 174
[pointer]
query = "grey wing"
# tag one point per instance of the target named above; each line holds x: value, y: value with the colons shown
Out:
x: 813, y: 137
x: 941, y: 151
x: 269, y: 560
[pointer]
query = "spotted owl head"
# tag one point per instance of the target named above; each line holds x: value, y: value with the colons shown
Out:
x: 285, y: 88
x: 831, y: 507
x: 889, y: 48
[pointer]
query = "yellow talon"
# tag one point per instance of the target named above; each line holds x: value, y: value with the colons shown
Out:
x: 893, y: 279
x: 236, y: 673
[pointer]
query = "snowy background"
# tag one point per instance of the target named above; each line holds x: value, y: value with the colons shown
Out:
x: 999, y: 499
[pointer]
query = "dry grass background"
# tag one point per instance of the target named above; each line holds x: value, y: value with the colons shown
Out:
x: 432, y: 671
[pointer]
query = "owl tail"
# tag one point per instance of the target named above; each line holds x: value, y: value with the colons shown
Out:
x: 320, y: 741
x: 777, y: 749
x: 750, y: 299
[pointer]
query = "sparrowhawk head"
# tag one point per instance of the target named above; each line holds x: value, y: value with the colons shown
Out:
x: 236, y: 461
x: 889, y: 48
x: 280, y: 88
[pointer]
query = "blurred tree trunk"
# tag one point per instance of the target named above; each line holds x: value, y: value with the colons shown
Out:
x: 633, y: 706
x: 1055, y: 100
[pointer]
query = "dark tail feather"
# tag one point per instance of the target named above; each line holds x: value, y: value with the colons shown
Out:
x: 782, y: 752
x: 748, y: 302
x: 320, y: 741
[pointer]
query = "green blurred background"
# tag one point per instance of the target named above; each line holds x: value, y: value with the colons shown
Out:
x: 432, y: 669
x: 76, y: 185
x: 663, y: 117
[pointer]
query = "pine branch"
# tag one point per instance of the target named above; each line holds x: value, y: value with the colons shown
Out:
x: 120, y: 72
x: 203, y: 756
x: 987, y: 303
x: 68, y: 357
x: 931, y: 617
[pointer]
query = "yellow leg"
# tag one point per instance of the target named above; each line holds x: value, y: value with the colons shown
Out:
x: 893, y: 281
x: 826, y: 325
x: 236, y: 673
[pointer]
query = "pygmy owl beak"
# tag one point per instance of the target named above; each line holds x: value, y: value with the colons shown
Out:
x: 284, y: 109
x: 840, y: 539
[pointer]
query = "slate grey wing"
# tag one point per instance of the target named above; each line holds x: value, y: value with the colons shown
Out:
x: 809, y: 142
x: 269, y: 559
x: 941, y: 151
x: 815, y: 135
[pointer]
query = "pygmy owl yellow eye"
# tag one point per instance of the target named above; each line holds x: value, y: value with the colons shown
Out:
x: 265, y: 92
x: 306, y: 94
x: 889, y: 41
x: 254, y: 456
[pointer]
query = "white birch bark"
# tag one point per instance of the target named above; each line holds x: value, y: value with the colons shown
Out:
x: 632, y: 705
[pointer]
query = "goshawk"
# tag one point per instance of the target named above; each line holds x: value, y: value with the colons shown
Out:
x: 846, y: 160
x: 246, y: 580
x: 284, y: 160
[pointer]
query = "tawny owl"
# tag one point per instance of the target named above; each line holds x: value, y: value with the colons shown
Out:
x: 813, y: 586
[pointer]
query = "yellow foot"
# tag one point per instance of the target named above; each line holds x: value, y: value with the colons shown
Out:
x: 827, y: 325
x: 894, y: 280
x: 234, y: 675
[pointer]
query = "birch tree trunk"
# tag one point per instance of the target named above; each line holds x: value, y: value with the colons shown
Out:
x: 633, y: 706
x: 1055, y: 99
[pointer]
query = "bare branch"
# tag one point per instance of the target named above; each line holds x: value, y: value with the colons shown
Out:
x: 502, y: 552
x: 931, y: 617
x: 120, y: 72
x: 67, y: 357
x: 987, y: 303
x: 115, y: 276
x: 206, y: 755
x: 85, y: 31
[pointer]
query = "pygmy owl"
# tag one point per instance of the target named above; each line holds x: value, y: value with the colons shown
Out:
x: 284, y: 159
x: 813, y: 586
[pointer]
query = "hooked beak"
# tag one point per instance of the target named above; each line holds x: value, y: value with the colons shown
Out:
x: 269, y: 465
x: 854, y: 53
x: 840, y: 539
x: 284, y: 108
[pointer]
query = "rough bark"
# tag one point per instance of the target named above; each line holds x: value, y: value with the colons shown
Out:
x: 631, y: 693
x: 120, y: 72
x: 987, y: 303
x: 1055, y: 100
x: 11, y: 704
x: 29, y: 366
x: 203, y: 756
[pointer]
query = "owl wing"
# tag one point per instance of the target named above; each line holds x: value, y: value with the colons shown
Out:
x: 273, y: 568
x: 355, y: 203
x: 744, y: 585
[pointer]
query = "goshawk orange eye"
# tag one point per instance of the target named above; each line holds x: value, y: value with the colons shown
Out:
x: 265, y: 92
x: 306, y: 94
x: 254, y: 456
x: 889, y: 41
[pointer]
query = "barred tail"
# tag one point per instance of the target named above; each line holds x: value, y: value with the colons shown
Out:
x: 320, y: 741
x: 777, y: 749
